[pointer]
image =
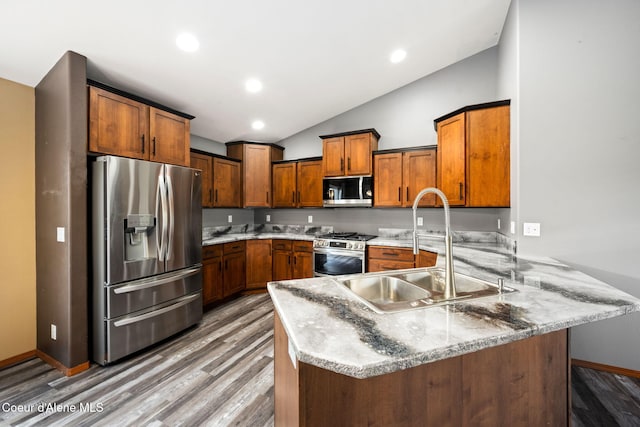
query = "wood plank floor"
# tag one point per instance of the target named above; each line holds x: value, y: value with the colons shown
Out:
x: 221, y: 374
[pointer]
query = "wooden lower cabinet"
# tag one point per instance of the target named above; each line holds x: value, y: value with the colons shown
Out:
x: 384, y: 258
x: 292, y: 259
x: 223, y: 268
x: 523, y: 383
x: 259, y: 264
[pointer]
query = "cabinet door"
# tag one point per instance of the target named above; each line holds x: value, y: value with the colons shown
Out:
x: 284, y: 185
x: 333, y: 156
x: 451, y: 159
x: 357, y: 150
x: 310, y: 184
x: 302, y: 265
x: 281, y: 265
x: 226, y: 183
x: 205, y: 164
x: 257, y: 175
x: 234, y: 273
x: 212, y: 280
x: 258, y: 264
x: 419, y: 172
x: 426, y: 259
x: 170, y: 138
x: 117, y: 125
x: 387, y: 180
x: 488, y: 166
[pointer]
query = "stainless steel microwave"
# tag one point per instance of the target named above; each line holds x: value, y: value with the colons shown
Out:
x: 348, y: 191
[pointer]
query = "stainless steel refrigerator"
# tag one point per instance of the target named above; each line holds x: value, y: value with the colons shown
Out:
x: 147, y: 254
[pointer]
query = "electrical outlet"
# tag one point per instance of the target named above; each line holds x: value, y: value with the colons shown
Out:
x: 513, y: 227
x: 60, y: 234
x: 531, y: 229
x: 268, y: 218
x: 420, y: 221
x: 230, y: 218
x: 310, y: 219
x: 54, y: 332
x: 498, y: 223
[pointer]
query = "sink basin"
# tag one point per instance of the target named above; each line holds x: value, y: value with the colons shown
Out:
x: 387, y: 293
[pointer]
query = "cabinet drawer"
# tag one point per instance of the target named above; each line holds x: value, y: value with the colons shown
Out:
x: 211, y: 251
x: 303, y: 246
x: 233, y: 247
x: 390, y: 253
x: 281, y: 245
x: 384, y: 265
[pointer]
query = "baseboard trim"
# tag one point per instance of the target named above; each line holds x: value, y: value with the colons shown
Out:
x: 17, y: 359
x: 60, y: 367
x: 605, y: 368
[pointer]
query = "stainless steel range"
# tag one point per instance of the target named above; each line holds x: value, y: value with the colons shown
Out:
x: 340, y: 253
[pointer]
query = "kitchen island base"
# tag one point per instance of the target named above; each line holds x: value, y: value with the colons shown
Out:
x: 522, y: 383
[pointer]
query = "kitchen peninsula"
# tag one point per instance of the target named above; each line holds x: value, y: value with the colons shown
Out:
x: 501, y: 360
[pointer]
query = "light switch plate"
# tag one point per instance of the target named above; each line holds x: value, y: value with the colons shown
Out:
x: 268, y: 218
x: 420, y: 221
x: 60, y: 234
x: 230, y: 218
x: 531, y: 229
x: 310, y: 219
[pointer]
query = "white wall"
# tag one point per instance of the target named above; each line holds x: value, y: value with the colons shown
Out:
x: 404, y: 117
x: 579, y: 145
x: 208, y: 145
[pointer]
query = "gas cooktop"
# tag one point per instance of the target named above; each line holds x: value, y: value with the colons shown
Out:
x: 347, y: 236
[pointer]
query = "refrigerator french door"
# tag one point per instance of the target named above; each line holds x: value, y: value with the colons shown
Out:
x: 147, y: 240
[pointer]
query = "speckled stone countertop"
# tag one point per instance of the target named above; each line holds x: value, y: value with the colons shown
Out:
x: 330, y: 328
x: 233, y: 233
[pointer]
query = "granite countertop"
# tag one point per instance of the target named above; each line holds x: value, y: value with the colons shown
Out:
x: 330, y: 328
x: 218, y: 235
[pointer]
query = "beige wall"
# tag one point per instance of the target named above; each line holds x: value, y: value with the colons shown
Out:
x: 17, y: 220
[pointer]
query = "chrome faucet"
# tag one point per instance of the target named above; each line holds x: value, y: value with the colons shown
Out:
x: 449, y: 279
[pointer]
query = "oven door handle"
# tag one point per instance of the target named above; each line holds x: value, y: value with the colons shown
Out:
x: 336, y: 251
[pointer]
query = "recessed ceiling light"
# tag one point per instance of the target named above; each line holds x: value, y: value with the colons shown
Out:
x: 257, y: 125
x: 253, y: 85
x: 398, y: 56
x: 187, y: 42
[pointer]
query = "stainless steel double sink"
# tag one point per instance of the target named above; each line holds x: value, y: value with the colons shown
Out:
x: 394, y: 292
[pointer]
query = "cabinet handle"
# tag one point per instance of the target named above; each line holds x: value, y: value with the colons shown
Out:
x: 267, y: 197
x: 461, y: 196
x: 216, y: 195
x: 220, y: 265
x: 349, y: 163
x: 341, y: 165
x: 289, y: 260
x: 295, y: 260
x: 298, y: 197
x: 390, y: 254
x: 142, y: 143
x: 399, y: 193
x: 408, y: 194
x: 293, y: 197
x: 154, y: 146
x: 226, y: 264
x: 210, y: 195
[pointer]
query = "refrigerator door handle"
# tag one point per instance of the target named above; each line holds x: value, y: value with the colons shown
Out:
x: 150, y: 283
x: 134, y: 319
x: 171, y: 221
x: 163, y: 205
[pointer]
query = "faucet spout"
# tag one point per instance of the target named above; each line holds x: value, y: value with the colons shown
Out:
x: 450, y: 286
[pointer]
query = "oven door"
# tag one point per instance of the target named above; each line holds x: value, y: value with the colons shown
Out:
x: 335, y: 262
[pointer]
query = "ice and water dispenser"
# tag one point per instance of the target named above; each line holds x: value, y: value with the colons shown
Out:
x: 137, y: 230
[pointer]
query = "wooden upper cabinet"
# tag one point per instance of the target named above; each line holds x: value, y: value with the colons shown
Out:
x: 127, y: 127
x: 399, y: 177
x: 256, y: 170
x: 474, y: 155
x: 451, y: 159
x: 418, y: 173
x: 285, y: 189
x: 117, y: 125
x: 205, y: 164
x: 349, y: 153
x: 309, y: 183
x: 227, y: 183
x: 387, y: 180
x: 170, y: 137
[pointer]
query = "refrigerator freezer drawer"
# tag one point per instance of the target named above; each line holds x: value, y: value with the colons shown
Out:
x: 139, y: 294
x: 128, y: 334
